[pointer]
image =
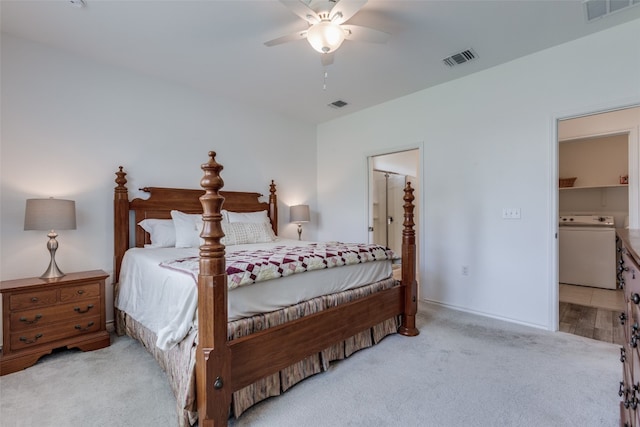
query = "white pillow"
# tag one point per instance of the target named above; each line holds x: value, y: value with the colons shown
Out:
x: 188, y: 228
x: 242, y: 233
x: 161, y: 231
x: 247, y: 217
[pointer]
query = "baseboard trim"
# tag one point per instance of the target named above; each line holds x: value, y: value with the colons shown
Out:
x: 423, y: 304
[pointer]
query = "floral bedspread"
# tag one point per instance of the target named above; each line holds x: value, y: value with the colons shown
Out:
x: 245, y: 267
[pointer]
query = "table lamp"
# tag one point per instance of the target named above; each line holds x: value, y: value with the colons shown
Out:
x: 299, y: 214
x: 50, y: 214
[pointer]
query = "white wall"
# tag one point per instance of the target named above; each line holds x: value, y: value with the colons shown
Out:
x: 489, y: 143
x: 68, y: 123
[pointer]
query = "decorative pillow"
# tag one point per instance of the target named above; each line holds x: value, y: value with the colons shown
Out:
x: 188, y: 228
x: 242, y: 233
x: 247, y: 217
x: 161, y: 231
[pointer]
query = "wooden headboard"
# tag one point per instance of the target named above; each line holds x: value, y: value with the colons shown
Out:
x: 162, y: 201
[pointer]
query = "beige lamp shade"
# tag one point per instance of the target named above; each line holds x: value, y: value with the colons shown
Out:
x: 299, y: 213
x: 50, y: 214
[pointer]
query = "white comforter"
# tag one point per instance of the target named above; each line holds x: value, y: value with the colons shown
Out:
x: 165, y: 301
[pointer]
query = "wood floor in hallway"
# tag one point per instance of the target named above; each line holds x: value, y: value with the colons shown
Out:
x: 592, y: 322
x: 591, y: 312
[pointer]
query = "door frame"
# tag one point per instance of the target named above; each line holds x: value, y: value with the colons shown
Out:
x: 634, y: 201
x: 420, y: 224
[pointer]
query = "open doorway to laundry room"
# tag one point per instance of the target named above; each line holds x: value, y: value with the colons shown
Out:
x: 388, y: 175
x: 598, y: 191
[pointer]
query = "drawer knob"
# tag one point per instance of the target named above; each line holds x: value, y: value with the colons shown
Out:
x: 623, y: 354
x: 80, y: 291
x: 77, y: 309
x: 28, y: 341
x: 635, y: 298
x: 34, y: 299
x: 80, y: 328
x: 218, y: 384
x: 35, y: 319
x: 622, y: 317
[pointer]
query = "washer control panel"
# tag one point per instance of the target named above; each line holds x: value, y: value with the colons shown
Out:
x: 587, y: 220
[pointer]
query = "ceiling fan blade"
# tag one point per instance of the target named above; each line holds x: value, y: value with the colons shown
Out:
x: 288, y: 38
x: 302, y: 10
x: 326, y: 58
x: 364, y: 34
x: 345, y: 9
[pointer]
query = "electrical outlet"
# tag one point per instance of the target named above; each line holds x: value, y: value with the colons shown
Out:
x: 511, y: 213
x: 465, y: 270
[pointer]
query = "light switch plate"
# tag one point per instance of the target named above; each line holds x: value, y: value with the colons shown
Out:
x: 511, y: 213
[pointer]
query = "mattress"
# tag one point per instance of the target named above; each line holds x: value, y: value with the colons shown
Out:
x: 165, y: 301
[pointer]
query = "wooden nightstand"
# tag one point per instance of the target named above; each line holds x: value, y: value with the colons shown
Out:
x: 40, y: 315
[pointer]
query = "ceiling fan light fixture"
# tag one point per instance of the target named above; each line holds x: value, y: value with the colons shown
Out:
x: 325, y: 36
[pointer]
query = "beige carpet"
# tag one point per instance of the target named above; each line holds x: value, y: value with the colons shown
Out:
x: 462, y: 370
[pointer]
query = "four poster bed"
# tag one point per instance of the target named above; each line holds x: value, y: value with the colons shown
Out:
x: 222, y: 360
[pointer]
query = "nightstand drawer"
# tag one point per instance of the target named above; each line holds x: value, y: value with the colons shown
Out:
x: 43, y: 316
x: 73, y: 293
x: 34, y: 299
x: 37, y: 336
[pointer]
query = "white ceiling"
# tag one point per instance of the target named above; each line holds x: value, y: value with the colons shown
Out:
x: 216, y: 46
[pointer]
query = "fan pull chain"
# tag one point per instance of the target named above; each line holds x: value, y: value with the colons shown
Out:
x: 324, y: 83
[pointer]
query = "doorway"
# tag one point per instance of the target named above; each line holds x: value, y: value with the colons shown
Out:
x: 598, y: 171
x: 388, y: 190
x: 388, y: 175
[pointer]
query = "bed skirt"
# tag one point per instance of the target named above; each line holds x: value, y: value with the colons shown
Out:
x: 179, y: 362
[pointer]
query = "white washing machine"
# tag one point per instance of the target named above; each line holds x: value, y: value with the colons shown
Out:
x: 587, y: 251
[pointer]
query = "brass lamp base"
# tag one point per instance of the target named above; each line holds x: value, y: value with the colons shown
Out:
x: 52, y: 272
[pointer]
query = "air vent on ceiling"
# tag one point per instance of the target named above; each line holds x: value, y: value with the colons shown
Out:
x: 460, y: 58
x: 595, y: 9
x: 338, y: 104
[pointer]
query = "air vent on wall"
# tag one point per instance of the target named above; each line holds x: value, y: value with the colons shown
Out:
x: 595, y: 9
x: 338, y: 104
x: 460, y: 58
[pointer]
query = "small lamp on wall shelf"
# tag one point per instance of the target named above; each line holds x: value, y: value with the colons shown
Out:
x: 299, y: 214
x: 50, y: 214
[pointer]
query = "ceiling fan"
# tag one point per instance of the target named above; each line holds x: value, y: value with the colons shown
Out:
x: 327, y: 29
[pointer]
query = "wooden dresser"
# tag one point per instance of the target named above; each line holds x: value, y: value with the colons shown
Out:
x: 39, y: 316
x: 629, y: 279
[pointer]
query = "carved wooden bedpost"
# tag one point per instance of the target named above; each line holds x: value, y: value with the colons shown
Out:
x: 273, y: 207
x: 120, y: 237
x: 213, y: 359
x: 408, y: 326
x: 121, y: 218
